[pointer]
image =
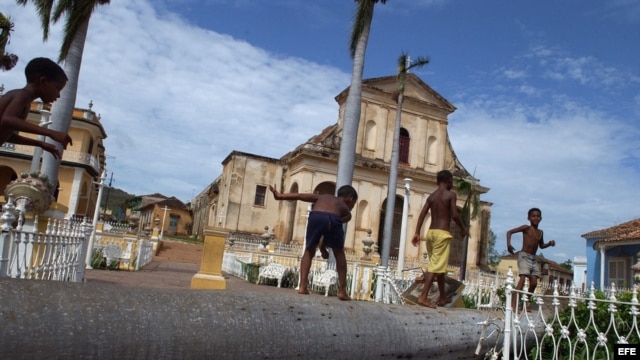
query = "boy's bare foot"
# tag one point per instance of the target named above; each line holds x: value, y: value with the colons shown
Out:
x: 445, y: 301
x: 303, y: 291
x: 324, y: 252
x: 343, y: 297
x: 427, y: 303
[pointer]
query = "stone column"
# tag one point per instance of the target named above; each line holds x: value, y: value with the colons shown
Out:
x: 210, y: 274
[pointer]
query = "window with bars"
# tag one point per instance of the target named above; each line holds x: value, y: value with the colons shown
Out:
x: 618, y: 272
x: 261, y: 192
x: 405, y: 141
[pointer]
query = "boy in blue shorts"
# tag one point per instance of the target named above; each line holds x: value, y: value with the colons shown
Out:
x: 328, y: 214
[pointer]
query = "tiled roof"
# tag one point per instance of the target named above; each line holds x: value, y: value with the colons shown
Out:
x: 629, y: 230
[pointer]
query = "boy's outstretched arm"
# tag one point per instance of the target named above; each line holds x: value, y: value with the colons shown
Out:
x: 14, y: 123
x: 544, y: 245
x: 63, y: 138
x: 423, y: 214
x: 16, y: 139
x: 293, y: 196
x: 522, y: 228
x: 276, y: 193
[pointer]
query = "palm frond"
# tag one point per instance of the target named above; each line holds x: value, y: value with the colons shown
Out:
x: 43, y: 8
x: 362, y: 17
x: 471, y: 207
x: 405, y: 63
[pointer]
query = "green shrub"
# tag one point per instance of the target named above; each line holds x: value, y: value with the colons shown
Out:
x: 97, y: 259
x: 601, y: 318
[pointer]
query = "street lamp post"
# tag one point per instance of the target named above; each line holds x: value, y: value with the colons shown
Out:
x: 164, y: 214
x: 96, y: 214
x: 403, y: 228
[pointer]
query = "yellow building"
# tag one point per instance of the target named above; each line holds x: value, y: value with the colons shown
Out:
x: 239, y: 199
x: 550, y: 270
x: 170, y: 215
x: 81, y: 166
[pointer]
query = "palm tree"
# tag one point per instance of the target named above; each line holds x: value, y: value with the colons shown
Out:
x: 358, y: 48
x: 77, y: 15
x: 7, y: 61
x: 470, y: 211
x: 404, y: 65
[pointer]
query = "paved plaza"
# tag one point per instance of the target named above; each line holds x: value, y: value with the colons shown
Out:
x: 172, y: 268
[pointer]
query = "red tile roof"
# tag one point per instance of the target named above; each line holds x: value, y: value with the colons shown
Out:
x: 629, y: 230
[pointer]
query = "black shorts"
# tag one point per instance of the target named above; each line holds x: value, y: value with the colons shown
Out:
x: 325, y: 224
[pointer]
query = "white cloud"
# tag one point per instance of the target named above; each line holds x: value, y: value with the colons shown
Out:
x: 568, y: 160
x: 175, y: 99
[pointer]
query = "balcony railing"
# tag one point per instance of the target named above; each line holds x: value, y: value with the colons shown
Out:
x: 68, y: 155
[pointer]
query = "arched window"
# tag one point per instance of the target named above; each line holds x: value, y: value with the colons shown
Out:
x: 404, y: 146
x: 325, y: 188
x: 363, y: 215
x: 395, y: 228
x: 431, y: 150
x: 371, y: 133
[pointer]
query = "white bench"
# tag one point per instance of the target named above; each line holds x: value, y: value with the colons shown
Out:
x: 325, y: 280
x: 114, y: 252
x: 272, y: 271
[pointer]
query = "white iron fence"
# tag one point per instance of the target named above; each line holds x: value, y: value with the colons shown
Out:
x: 246, y: 255
x: 57, y: 254
x: 553, y: 325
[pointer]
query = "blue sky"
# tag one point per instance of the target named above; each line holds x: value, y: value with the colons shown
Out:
x: 547, y: 93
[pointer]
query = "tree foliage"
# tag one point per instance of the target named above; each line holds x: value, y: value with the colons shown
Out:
x: 471, y: 206
x: 7, y: 60
x: 75, y: 14
x: 493, y: 255
x: 568, y: 264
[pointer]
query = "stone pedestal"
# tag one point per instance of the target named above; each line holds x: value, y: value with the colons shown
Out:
x: 210, y: 274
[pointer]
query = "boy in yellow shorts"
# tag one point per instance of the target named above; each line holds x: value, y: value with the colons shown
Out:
x: 442, y: 204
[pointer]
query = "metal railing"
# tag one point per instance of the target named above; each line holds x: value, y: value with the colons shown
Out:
x: 57, y: 254
x: 553, y: 325
x: 247, y: 250
x: 68, y: 155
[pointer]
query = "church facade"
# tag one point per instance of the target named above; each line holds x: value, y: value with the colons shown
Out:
x: 239, y: 199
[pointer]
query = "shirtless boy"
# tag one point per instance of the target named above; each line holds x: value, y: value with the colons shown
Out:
x: 328, y: 214
x: 45, y: 80
x: 442, y: 204
x: 532, y: 238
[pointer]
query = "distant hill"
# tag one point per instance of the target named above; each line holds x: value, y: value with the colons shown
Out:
x: 115, y: 199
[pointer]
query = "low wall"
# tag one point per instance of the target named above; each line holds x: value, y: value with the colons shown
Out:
x: 41, y: 319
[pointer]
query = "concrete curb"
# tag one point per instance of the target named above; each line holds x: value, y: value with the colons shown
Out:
x: 44, y: 319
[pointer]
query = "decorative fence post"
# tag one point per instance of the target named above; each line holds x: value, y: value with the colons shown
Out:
x: 84, y: 230
x: 507, y: 316
x: 7, y: 220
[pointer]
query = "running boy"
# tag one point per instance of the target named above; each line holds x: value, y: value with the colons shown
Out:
x: 326, y: 218
x: 532, y: 238
x: 45, y: 80
x: 442, y: 204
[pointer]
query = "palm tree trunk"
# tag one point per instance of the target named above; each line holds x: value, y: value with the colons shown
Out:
x: 351, y: 121
x: 62, y: 111
x: 393, y: 184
